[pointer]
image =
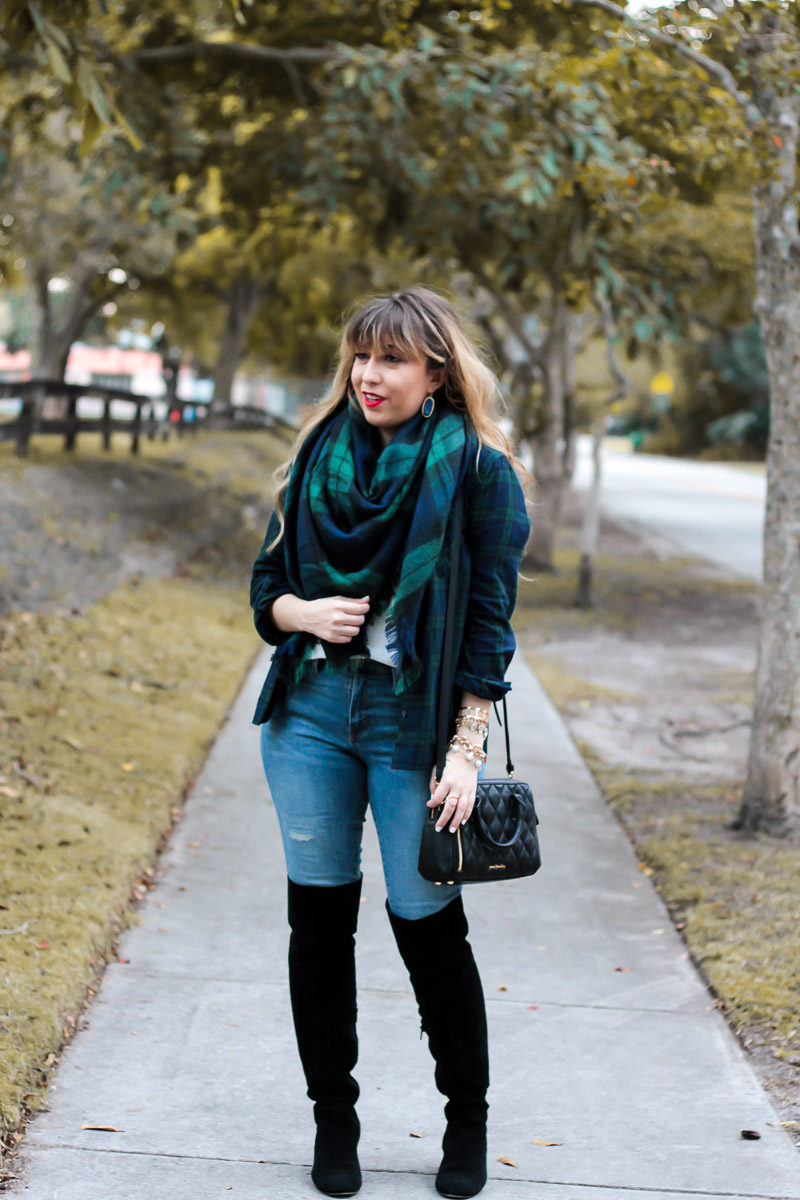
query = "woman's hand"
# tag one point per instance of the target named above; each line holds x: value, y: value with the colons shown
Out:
x: 331, y: 619
x: 459, y: 783
x: 456, y: 789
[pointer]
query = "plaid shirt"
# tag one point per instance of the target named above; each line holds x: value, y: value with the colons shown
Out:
x: 495, y: 529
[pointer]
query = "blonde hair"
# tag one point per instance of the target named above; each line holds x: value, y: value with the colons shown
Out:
x: 418, y: 323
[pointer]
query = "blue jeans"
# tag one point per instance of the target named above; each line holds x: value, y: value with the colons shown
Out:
x: 327, y: 755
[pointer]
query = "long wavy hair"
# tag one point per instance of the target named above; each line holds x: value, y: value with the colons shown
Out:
x: 418, y: 323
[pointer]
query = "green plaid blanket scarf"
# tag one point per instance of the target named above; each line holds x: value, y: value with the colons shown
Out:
x: 368, y: 520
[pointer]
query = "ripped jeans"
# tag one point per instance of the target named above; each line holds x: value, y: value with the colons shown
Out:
x: 327, y: 756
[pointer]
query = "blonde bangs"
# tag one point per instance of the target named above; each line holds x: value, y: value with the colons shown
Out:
x: 388, y: 326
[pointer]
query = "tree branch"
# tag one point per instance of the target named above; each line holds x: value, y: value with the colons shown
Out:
x: 512, y: 319
x: 607, y: 323
x: 245, y: 51
x: 713, y: 68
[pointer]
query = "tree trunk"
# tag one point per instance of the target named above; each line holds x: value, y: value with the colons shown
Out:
x: 244, y: 296
x: 771, y: 798
x: 43, y: 359
x: 548, y: 442
x: 570, y: 349
x: 51, y: 343
x: 591, y: 520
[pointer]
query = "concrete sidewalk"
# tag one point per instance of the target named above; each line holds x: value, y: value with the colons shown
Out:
x: 603, y: 1039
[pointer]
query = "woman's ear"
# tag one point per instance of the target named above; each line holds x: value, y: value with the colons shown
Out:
x: 436, y: 378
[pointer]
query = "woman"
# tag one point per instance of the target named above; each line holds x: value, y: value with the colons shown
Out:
x: 350, y: 587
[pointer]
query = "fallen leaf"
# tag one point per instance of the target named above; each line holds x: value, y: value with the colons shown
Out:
x: 103, y: 1128
x: 122, y: 960
x: 72, y: 741
x: 12, y: 793
x: 533, y: 1007
x: 622, y: 968
x: 42, y: 945
x: 28, y: 774
x: 127, y: 766
x: 502, y: 987
x: 508, y: 1161
x: 750, y: 1135
x: 544, y: 1142
x: 417, y: 1135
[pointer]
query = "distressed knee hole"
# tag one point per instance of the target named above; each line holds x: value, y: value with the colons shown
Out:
x: 301, y: 835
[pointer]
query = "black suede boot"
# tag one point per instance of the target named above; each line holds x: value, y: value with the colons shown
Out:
x: 450, y: 997
x: 322, y: 985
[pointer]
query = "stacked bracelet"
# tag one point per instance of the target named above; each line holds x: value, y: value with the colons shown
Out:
x: 474, y: 713
x: 473, y: 724
x: 473, y: 754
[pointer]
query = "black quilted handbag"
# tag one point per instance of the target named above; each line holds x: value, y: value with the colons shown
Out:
x: 500, y: 839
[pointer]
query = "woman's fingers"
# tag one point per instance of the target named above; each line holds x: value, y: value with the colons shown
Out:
x: 455, y: 811
x: 455, y: 792
x: 337, y: 618
x: 449, y: 817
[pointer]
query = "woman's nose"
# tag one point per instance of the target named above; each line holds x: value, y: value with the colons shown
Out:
x: 371, y: 370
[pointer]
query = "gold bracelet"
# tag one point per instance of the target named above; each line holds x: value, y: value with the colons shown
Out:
x: 473, y: 754
x: 474, y: 718
x: 473, y: 724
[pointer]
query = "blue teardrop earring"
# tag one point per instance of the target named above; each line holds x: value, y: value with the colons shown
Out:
x: 428, y: 405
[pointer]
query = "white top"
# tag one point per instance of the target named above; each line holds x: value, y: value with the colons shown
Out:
x: 376, y: 641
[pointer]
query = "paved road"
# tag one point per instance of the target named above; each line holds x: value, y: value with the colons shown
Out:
x: 614, y: 1077
x: 708, y: 509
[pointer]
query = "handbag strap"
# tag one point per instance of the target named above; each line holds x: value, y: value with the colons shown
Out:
x: 504, y: 723
x: 448, y: 665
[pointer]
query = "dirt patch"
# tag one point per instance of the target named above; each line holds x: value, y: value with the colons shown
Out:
x: 656, y: 686
x: 73, y: 527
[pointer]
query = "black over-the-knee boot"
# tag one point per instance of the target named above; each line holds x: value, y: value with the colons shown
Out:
x: 450, y: 997
x: 322, y: 985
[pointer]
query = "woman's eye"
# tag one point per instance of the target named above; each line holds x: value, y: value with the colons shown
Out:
x: 393, y: 358
x: 360, y: 357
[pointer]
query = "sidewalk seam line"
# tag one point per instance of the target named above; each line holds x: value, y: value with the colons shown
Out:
x: 599, y: 1187
x: 376, y: 991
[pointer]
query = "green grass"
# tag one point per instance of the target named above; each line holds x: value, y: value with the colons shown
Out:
x: 105, y: 718
x: 735, y: 900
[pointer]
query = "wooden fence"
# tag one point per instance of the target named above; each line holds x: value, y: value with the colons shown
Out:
x: 51, y: 407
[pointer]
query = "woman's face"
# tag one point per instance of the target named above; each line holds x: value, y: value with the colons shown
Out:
x: 390, y: 387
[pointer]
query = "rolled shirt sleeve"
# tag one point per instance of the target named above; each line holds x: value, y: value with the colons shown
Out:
x: 496, y: 528
x: 267, y: 583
